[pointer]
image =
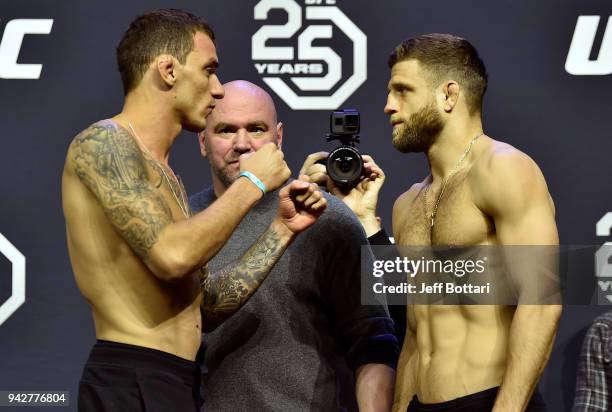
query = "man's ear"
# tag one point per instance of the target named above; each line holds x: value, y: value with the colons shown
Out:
x: 279, y: 134
x: 166, y: 66
x: 451, y: 92
x: 202, y: 140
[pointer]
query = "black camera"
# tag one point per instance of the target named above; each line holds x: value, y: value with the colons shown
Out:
x: 344, y: 164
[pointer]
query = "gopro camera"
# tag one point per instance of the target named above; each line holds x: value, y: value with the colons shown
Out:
x: 344, y: 164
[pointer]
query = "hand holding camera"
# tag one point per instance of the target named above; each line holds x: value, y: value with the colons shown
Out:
x: 337, y: 171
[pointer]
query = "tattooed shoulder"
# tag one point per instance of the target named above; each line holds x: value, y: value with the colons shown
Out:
x: 100, y: 146
x: 109, y: 163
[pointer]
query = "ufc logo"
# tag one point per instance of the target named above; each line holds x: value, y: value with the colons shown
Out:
x: 14, y: 32
x: 578, y: 62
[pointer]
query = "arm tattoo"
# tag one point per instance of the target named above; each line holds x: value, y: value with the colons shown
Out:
x: 225, y: 291
x: 110, y: 164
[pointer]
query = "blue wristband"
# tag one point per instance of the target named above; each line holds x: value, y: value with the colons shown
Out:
x: 255, y: 180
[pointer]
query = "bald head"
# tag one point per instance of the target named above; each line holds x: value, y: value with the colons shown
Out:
x: 242, y: 96
x: 243, y: 121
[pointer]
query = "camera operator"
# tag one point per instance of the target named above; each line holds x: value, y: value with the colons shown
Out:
x: 362, y: 199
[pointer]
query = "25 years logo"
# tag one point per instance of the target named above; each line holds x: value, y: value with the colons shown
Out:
x: 14, y: 32
x: 603, y: 259
x: 305, y: 80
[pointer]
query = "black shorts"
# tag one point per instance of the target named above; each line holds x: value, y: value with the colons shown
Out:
x: 476, y: 402
x: 120, y: 377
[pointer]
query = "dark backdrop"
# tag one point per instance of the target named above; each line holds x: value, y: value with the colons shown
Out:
x: 561, y: 120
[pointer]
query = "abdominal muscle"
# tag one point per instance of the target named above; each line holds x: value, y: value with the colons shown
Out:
x: 171, y: 328
x: 129, y: 303
x: 461, y: 349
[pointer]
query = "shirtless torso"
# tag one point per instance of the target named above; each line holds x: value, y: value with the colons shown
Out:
x: 139, y: 258
x: 451, y: 351
x: 129, y: 303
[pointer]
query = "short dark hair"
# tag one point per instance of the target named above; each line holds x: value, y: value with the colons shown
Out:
x: 446, y: 56
x: 157, y: 32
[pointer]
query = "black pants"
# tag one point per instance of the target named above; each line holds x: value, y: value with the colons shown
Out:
x: 476, y: 402
x: 120, y: 377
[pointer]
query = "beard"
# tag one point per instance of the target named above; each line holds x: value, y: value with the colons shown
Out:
x: 226, y: 175
x: 225, y: 172
x: 419, y: 132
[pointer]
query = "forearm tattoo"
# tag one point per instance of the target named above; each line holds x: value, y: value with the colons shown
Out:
x: 225, y: 291
x: 110, y: 164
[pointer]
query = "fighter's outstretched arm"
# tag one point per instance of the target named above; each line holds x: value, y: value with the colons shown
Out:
x: 512, y: 189
x: 109, y: 163
x: 226, y: 290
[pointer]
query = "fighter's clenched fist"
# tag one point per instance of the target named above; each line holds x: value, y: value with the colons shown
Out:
x: 300, y: 204
x: 267, y: 164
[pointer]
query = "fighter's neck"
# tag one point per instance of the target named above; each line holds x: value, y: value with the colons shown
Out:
x: 448, y: 148
x: 153, y: 123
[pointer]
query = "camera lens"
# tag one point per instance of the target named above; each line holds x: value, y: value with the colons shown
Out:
x: 344, y: 166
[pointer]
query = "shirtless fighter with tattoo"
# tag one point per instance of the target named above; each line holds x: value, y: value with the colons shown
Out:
x: 138, y: 254
x: 479, y: 192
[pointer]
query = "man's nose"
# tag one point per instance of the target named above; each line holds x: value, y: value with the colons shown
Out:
x: 390, y: 106
x: 216, y: 88
x: 242, y: 141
